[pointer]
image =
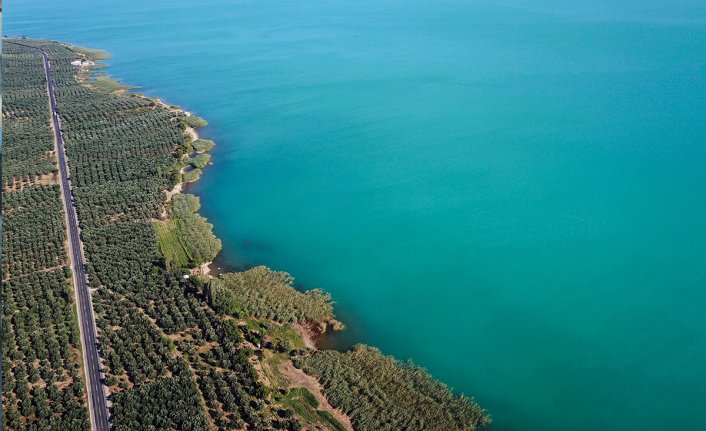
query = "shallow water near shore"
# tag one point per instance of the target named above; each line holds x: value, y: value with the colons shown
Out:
x: 509, y: 193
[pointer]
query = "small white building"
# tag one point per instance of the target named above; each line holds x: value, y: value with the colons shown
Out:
x: 81, y: 63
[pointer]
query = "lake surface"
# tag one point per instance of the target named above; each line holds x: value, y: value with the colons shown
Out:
x: 511, y: 193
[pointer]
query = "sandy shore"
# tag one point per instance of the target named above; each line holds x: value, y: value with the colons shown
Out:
x: 310, y: 332
x: 307, y: 335
x: 203, y: 269
x: 189, y: 130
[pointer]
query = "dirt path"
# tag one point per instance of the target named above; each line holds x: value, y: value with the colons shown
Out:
x: 299, y: 379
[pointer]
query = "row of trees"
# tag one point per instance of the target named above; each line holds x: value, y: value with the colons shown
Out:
x: 380, y: 393
x: 167, y: 404
x: 261, y: 292
x: 121, y: 151
x: 26, y: 128
x: 187, y: 239
x: 42, y: 382
x: 172, y: 361
x: 33, y: 232
x: 134, y: 347
x: 155, y: 327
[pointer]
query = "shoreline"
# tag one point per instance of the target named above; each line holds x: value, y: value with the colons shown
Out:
x: 310, y: 332
x: 317, y: 336
x: 253, y: 331
x: 313, y: 333
x: 205, y: 268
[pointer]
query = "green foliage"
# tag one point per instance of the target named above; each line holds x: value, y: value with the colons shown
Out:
x: 124, y: 152
x: 106, y: 84
x: 170, y: 243
x: 42, y: 385
x: 192, y: 175
x: 28, y: 139
x: 306, y: 396
x: 199, y: 161
x: 285, y: 333
x: 91, y: 54
x: 203, y: 145
x: 185, y: 205
x: 194, y: 121
x: 380, y: 393
x: 261, y: 292
x: 305, y: 405
x: 176, y: 362
x: 187, y: 239
x: 187, y: 243
x: 225, y: 301
x: 330, y: 420
x: 33, y: 228
x: 166, y: 404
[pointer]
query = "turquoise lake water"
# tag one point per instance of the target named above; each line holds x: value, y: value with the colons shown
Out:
x: 511, y: 193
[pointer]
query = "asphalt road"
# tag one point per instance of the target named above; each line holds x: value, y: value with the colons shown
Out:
x: 98, y: 403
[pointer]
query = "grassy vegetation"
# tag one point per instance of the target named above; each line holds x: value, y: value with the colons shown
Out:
x: 305, y: 405
x: 170, y: 243
x: 106, y: 84
x: 305, y: 396
x: 327, y: 418
x: 199, y: 161
x: 302, y: 402
x: 203, y: 145
x: 261, y: 292
x: 275, y: 331
x: 192, y: 175
x: 186, y: 240
x: 92, y: 54
x: 278, y: 339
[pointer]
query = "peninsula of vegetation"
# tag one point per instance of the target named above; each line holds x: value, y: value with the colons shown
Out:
x: 181, y: 349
